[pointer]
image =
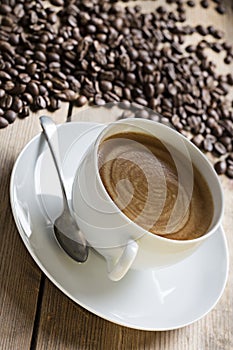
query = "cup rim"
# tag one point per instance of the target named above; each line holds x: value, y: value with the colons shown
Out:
x: 204, y: 158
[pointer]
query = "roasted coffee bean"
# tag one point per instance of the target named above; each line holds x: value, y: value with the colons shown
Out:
x: 3, y: 122
x: 228, y: 59
x: 217, y: 47
x: 10, y: 116
x: 27, y: 97
x: 81, y: 101
x: 205, y: 3
x: 229, y: 158
x: 220, y: 167
x: 17, y: 104
x: 67, y: 95
x: 40, y: 56
x: 60, y: 84
x: 220, y: 148
x: 6, y: 101
x: 99, y: 101
x: 230, y: 79
x: 31, y: 68
x: 4, y: 9
x: 207, y: 145
x: 24, y: 112
x: 191, y: 3
x: 221, y: 9
x: 198, y: 140
x: 4, y: 75
x: 2, y: 93
x: 54, y: 104
x: 33, y: 88
x: 105, y: 85
x: 229, y: 171
x: 141, y: 101
x: 201, y: 30
x: 40, y: 102
x: 57, y: 2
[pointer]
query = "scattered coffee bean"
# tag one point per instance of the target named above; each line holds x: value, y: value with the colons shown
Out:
x: 24, y: 112
x: 10, y: 116
x: 220, y: 148
x: 230, y: 171
x: 220, y: 167
x: 191, y: 3
x: 110, y: 53
x: 221, y: 9
x: 201, y: 30
x: 33, y: 88
x: 57, y: 2
x: 81, y: 101
x: 205, y: 3
x: 198, y: 140
x: 3, y: 122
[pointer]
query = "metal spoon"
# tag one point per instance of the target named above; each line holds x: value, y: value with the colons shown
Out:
x: 66, y: 229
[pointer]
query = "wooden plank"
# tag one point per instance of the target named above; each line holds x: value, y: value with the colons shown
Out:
x: 65, y: 325
x: 19, y: 275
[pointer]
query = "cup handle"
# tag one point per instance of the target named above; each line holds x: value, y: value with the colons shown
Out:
x: 118, y: 269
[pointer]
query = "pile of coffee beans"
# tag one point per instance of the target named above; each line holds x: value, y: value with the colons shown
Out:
x: 99, y: 51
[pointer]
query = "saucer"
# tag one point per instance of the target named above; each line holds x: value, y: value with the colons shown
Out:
x: 148, y: 300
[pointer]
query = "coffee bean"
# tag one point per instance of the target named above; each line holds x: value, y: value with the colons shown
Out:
x: 17, y: 104
x: 4, y: 9
x: 198, y: 140
x: 33, y: 88
x: 4, y: 75
x: 6, y: 101
x: 57, y: 2
x: 230, y: 171
x: 204, y: 3
x: 228, y: 59
x: 207, y: 145
x: 220, y: 148
x: 2, y: 93
x: 28, y: 98
x: 217, y: 47
x: 40, y: 102
x: 40, y: 56
x: 141, y: 101
x: 201, y: 30
x: 105, y: 85
x: 10, y: 116
x: 31, y: 68
x: 230, y: 79
x: 54, y: 104
x: 67, y: 95
x: 3, y: 122
x: 24, y: 112
x: 220, y: 167
x: 81, y: 101
x: 7, y: 49
x: 221, y: 9
x: 191, y: 3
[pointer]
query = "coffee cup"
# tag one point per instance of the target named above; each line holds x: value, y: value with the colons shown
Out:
x: 171, y: 187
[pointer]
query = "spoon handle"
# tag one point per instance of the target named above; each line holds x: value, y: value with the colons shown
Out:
x: 50, y: 131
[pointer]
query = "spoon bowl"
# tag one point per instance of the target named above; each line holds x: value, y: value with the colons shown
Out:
x: 66, y: 230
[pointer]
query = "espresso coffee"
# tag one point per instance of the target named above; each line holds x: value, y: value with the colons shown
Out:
x: 152, y: 186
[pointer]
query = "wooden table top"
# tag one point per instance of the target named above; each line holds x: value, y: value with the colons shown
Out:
x: 34, y: 314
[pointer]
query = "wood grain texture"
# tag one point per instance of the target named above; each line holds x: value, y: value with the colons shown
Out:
x: 19, y: 275
x: 20, y: 278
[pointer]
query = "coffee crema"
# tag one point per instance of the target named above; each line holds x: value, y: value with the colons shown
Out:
x: 141, y: 177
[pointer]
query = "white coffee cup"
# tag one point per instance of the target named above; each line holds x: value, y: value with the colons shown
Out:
x: 122, y: 242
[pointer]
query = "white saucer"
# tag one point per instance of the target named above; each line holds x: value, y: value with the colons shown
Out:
x: 150, y: 300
